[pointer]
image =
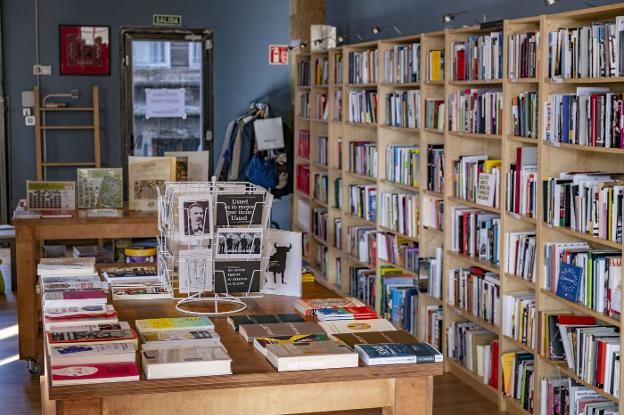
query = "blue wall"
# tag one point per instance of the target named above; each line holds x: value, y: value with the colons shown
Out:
x: 243, y: 30
x: 417, y: 16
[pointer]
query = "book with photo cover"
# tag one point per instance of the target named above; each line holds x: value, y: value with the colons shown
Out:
x: 145, y: 175
x: 195, y: 218
x: 129, y: 275
x: 100, y: 188
x: 283, y: 273
x: 236, y: 321
x: 237, y: 276
x: 240, y: 209
x: 92, y: 337
x: 94, y: 373
x: 50, y: 195
x: 207, y: 360
x: 261, y: 343
x: 239, y: 243
x: 398, y: 353
x: 191, y: 166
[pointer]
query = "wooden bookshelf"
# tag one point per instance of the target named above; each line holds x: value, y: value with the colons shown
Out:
x: 552, y: 159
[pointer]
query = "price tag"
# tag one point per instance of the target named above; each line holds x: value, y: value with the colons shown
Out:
x: 556, y: 80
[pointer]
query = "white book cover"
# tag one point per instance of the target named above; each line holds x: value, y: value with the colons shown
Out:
x: 356, y: 326
x: 283, y: 273
x: 191, y: 166
x: 92, y: 353
x: 186, y: 361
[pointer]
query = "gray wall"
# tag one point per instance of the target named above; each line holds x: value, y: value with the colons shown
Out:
x: 417, y: 16
x: 243, y: 29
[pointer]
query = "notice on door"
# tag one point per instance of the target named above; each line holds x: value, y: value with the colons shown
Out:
x: 165, y: 103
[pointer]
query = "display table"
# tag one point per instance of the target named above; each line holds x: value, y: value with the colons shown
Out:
x: 30, y: 235
x: 254, y: 387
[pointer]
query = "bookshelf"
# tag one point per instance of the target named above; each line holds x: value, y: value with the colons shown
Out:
x: 504, y: 144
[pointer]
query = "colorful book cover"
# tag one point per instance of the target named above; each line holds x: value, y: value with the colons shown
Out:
x: 569, y: 281
x: 94, y: 373
x: 399, y: 352
x: 100, y: 188
x: 202, y: 322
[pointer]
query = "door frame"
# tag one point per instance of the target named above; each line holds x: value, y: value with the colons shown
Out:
x: 127, y: 34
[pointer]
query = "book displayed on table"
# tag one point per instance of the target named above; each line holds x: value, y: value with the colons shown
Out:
x: 375, y: 337
x: 521, y: 183
x: 363, y: 66
x: 208, y: 360
x: 73, y: 282
x: 174, y: 323
x: 308, y: 307
x: 236, y: 321
x: 66, y: 316
x: 403, y: 109
x: 363, y: 158
x: 130, y: 275
x: 80, y: 374
x: 475, y: 233
x: 518, y: 374
x: 74, y: 297
x: 92, y: 353
x: 435, y: 65
x: 356, y: 326
x: 145, y: 175
x: 346, y: 313
x: 403, y: 164
x: 477, y: 179
x: 50, y: 195
x: 250, y: 331
x: 401, y: 64
x: 311, y: 356
x: 520, y: 317
x: 261, y: 343
x: 90, y: 337
x: 524, y: 110
x: 400, y: 212
x: 523, y: 55
x: 398, y: 353
x: 65, y: 266
x: 476, y: 111
x: 479, y: 57
x: 362, y: 106
x: 100, y: 188
x: 476, y: 291
x: 140, y: 293
x: 474, y: 348
x: 178, y: 338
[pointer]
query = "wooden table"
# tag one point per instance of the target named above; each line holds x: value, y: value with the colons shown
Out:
x: 254, y: 387
x: 31, y: 233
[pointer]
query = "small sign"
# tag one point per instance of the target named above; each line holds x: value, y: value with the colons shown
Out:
x: 165, y: 103
x: 167, y: 20
x: 278, y: 54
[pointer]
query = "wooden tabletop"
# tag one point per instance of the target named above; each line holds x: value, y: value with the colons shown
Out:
x: 249, y: 367
x: 80, y: 218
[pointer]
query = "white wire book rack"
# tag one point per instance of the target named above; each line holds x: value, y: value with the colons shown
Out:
x: 210, y: 248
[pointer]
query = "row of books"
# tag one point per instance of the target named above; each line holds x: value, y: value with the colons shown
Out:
x: 304, y: 104
x: 524, y: 110
x: 564, y: 392
x: 476, y: 291
x: 475, y: 233
x: 434, y: 315
x: 303, y: 72
x: 590, y: 117
x: 431, y: 269
x: 363, y: 158
x: 303, y: 144
x: 397, y: 250
x: 319, y: 223
x: 402, y: 64
x: 520, y: 259
x: 399, y: 298
x: 521, y: 183
x: 303, y: 179
x: 476, y: 111
x: 475, y: 348
x: 338, y: 68
x: 589, y: 203
x: 523, y: 55
x: 363, y: 201
x: 403, y: 164
x: 435, y: 65
x: 434, y: 113
x: 435, y: 168
x: 320, y: 186
x: 321, y: 149
x: 363, y: 284
x: 321, y: 71
x: 321, y: 109
x: 479, y: 57
x: 403, y: 109
x: 588, y: 51
x: 518, y: 374
x: 400, y: 212
x: 586, y: 275
x: 363, y: 66
x: 477, y: 179
x: 520, y: 317
x: 337, y: 115
x: 362, y: 244
x: 433, y: 213
x: 322, y: 258
x: 363, y: 107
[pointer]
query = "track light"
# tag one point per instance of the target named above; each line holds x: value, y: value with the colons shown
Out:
x: 343, y: 38
x: 449, y: 17
x: 551, y: 2
x: 297, y: 44
x: 376, y: 29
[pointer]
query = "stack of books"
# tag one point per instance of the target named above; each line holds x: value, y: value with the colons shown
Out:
x: 362, y: 244
x: 479, y: 57
x: 402, y: 64
x: 400, y: 212
x: 520, y: 313
x: 400, y: 298
x: 396, y: 249
x: 363, y: 107
x: 476, y: 111
x: 520, y: 259
x: 131, y: 282
x: 363, y: 285
x: 518, y: 373
x: 363, y: 66
x: 403, y: 164
x: 403, y: 109
x: 181, y: 347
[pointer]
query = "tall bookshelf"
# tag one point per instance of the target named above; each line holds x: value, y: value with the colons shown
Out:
x: 552, y: 159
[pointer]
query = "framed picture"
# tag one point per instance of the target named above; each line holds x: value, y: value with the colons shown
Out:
x: 239, y: 243
x: 195, y: 215
x: 84, y: 50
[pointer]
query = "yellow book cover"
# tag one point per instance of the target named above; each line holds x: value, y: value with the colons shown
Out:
x: 200, y: 322
x: 488, y: 165
x: 507, y: 360
x: 145, y: 175
x: 436, y: 56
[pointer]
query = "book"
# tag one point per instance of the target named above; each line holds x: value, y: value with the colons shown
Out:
x: 145, y: 176
x: 476, y: 291
x: 362, y: 106
x: 73, y: 282
x: 569, y: 281
x: 65, y: 266
x: 261, y: 343
x: 91, y: 337
x: 250, y: 331
x: 400, y: 212
x: 50, y: 195
x: 401, y: 64
x: 236, y: 321
x: 398, y: 353
x: 206, y: 360
x: 191, y: 166
x: 465, y: 115
x: 174, y: 323
x: 346, y: 313
x: 375, y: 337
x: 139, y: 293
x: 161, y: 339
x: 363, y: 67
x: 74, y: 298
x: 80, y: 374
x: 100, y: 188
x: 92, y: 353
x: 356, y: 326
x: 120, y: 276
x: 309, y: 306
x: 311, y: 356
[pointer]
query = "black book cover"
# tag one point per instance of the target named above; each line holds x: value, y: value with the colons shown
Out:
x: 236, y: 321
x: 237, y: 276
x: 554, y: 336
x: 239, y: 209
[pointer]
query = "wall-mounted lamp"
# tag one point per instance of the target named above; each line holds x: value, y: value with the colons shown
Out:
x: 343, y: 38
x: 297, y: 44
x: 551, y: 2
x: 376, y: 29
x: 449, y: 17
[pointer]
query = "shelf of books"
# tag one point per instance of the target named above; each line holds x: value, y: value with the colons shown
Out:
x: 501, y: 146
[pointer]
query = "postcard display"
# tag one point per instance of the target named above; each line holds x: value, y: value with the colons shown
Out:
x: 211, y: 243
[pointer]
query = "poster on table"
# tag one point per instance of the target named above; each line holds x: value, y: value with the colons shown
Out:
x: 283, y: 274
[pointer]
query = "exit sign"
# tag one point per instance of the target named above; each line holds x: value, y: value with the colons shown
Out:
x: 167, y: 20
x: 278, y: 54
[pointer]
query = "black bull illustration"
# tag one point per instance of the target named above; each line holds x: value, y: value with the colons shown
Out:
x: 277, y: 261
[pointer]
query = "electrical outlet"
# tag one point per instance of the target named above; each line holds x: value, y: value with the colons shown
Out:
x: 42, y: 69
x: 30, y: 120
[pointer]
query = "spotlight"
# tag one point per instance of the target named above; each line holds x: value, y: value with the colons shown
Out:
x: 449, y: 17
x: 345, y: 37
x: 376, y: 29
x: 549, y: 2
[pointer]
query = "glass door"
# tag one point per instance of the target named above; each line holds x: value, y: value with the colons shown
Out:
x: 168, y: 91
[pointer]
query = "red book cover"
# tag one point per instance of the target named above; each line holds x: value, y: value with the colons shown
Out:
x: 594, y: 102
x: 576, y: 320
x: 494, y: 372
x: 362, y: 312
x: 94, y: 373
x: 75, y: 295
x: 466, y: 219
x: 517, y: 185
x: 600, y: 364
x: 460, y: 70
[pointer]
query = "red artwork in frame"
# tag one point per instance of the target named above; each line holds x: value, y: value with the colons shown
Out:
x: 84, y: 50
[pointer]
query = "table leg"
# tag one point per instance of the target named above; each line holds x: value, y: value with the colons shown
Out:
x: 412, y: 396
x: 27, y: 310
x: 13, y: 266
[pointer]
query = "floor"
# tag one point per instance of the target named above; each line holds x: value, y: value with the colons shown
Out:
x: 19, y: 391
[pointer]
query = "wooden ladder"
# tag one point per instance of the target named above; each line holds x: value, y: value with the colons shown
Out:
x: 40, y: 127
